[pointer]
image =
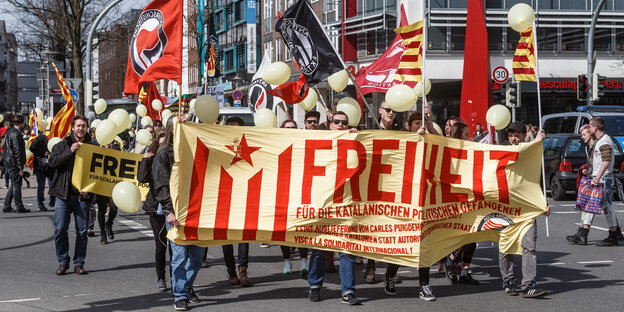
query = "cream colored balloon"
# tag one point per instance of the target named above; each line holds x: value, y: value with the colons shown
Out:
x: 39, y: 113
x: 106, y: 131
x: 147, y: 120
x: 277, y: 73
x: 157, y: 105
x: 265, y: 117
x: 165, y: 113
x: 141, y: 110
x: 498, y: 116
x: 144, y: 137
x: 1, y: 118
x: 418, y: 88
x: 118, y: 140
x: 309, y: 102
x: 121, y: 119
x: 338, y: 80
x: 132, y: 117
x: 352, y: 108
x: 192, y: 104
x: 95, y: 123
x: 49, y: 120
x: 521, y: 17
x: 126, y: 196
x: 400, y: 98
x: 207, y: 109
x: 42, y: 124
x: 99, y: 106
x: 52, y: 142
x: 129, y: 125
x: 437, y: 127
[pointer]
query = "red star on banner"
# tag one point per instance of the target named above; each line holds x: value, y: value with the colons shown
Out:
x: 242, y: 151
x: 531, y: 49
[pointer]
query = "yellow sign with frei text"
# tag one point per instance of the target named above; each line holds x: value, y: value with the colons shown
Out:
x: 393, y: 196
x: 98, y: 169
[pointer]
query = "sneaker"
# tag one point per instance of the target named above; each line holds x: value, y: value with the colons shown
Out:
x: 468, y: 280
x: 181, y: 305
x: 532, y: 292
x: 192, y: 296
x: 426, y: 293
x: 351, y: 299
x: 450, y: 274
x: 315, y: 295
x: 304, y: 268
x: 389, y: 286
x: 369, y: 275
x: 162, y: 285
x: 287, y: 267
x: 510, y: 289
x: 264, y: 245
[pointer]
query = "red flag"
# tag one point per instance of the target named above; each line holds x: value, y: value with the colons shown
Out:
x: 292, y: 92
x: 156, y: 47
x: 152, y: 94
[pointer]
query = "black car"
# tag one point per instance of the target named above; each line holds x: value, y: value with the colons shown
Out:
x: 564, y: 154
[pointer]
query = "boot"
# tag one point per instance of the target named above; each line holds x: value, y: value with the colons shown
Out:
x: 582, y: 238
x: 618, y: 231
x: 611, y: 240
x: 233, y: 277
x: 571, y: 238
x: 244, y: 279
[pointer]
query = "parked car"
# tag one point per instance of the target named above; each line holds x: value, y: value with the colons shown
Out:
x: 564, y: 154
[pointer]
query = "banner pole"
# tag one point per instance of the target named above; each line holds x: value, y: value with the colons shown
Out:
x: 370, y: 111
x: 424, y: 52
x: 539, y: 112
x: 319, y: 95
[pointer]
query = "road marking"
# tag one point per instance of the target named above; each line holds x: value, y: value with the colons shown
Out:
x: 557, y: 263
x: 567, y: 205
x: 148, y: 233
x: 19, y: 300
x: 565, y: 212
x: 594, y: 262
x: 595, y: 227
x: 137, y: 226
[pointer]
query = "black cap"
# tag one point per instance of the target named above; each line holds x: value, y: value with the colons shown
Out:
x: 517, y: 126
x: 312, y: 114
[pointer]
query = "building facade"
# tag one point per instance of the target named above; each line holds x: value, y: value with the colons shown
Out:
x: 8, y: 70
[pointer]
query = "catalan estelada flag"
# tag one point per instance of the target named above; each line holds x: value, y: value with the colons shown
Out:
x: 524, y: 58
x: 410, y: 67
x: 32, y: 122
x: 61, y: 123
x: 142, y: 95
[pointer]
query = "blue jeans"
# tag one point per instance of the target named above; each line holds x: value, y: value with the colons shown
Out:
x: 62, y: 211
x: 41, y: 180
x: 185, y: 264
x: 317, y: 271
x: 14, y: 193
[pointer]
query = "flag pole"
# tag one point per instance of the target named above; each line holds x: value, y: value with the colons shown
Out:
x: 424, y: 52
x: 322, y: 99
x: 357, y: 88
x: 539, y: 112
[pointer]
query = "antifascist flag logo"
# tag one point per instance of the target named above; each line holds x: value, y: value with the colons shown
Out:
x: 307, y: 56
x: 148, y: 42
x: 495, y: 221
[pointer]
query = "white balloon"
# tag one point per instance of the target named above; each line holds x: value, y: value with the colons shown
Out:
x: 165, y: 113
x: 106, y: 131
x: 207, y: 109
x: 400, y: 98
x: 157, y: 105
x: 95, y: 123
x: 99, y: 106
x: 498, y: 116
x: 90, y: 115
x: 352, y: 108
x: 141, y: 110
x: 127, y: 196
x: 521, y: 17
x: 132, y: 117
x: 418, y: 88
x: 265, y: 117
x: 276, y: 73
x: 147, y: 120
x: 39, y: 113
x: 121, y: 119
x: 309, y: 102
x: 52, y: 142
x: 338, y: 80
x: 49, y: 119
x: 42, y: 124
x: 1, y: 118
x: 144, y: 137
x: 192, y: 104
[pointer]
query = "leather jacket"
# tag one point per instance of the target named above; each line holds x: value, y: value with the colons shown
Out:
x: 14, y: 149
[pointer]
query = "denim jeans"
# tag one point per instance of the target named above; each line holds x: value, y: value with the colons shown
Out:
x: 243, y: 255
x: 15, y: 190
x: 185, y: 264
x: 317, y: 271
x: 41, y: 181
x: 62, y: 211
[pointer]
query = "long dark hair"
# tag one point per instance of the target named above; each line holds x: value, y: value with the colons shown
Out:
x: 457, y: 130
x: 153, y: 148
x: 168, y: 132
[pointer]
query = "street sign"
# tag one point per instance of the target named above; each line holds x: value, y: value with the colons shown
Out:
x: 500, y: 74
x: 237, y: 103
x: 237, y: 95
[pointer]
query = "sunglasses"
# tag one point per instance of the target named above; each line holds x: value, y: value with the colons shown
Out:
x: 388, y: 110
x: 339, y: 121
x: 311, y: 121
x: 290, y: 127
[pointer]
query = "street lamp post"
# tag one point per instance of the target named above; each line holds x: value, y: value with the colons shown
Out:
x: 590, y: 52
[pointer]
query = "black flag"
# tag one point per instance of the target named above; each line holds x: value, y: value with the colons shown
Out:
x: 309, y: 45
x: 212, y: 47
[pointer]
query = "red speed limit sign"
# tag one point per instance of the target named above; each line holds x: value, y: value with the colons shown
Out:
x: 500, y: 74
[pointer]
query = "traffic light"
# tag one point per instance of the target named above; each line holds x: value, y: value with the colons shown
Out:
x: 513, y: 95
x: 581, y: 88
x: 96, y: 90
x: 597, y: 86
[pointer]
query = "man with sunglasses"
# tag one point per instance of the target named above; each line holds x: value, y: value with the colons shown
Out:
x: 387, y: 118
x: 312, y: 120
x: 316, y: 274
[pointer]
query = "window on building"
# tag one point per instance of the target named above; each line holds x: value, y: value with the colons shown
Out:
x: 219, y: 20
x: 332, y: 10
x: 370, y: 43
x: 268, y: 16
x: 268, y: 50
x: 241, y: 53
x: 438, y: 4
x: 495, y: 39
x: 619, y: 5
x: 459, y: 4
x: 511, y: 3
x: 436, y: 36
x: 278, y: 50
x: 619, y: 39
x: 494, y: 4
x: 572, y: 39
x: 573, y: 4
x: 239, y: 11
x: 278, y: 7
x: 602, y: 39
x: 547, y: 39
x: 287, y: 55
x: 289, y: 3
x: 228, y: 65
x: 458, y: 38
x: 549, y: 4
x: 512, y: 40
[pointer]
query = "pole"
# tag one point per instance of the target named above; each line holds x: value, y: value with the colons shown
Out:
x: 424, y: 52
x: 88, y: 80
x: 590, y: 52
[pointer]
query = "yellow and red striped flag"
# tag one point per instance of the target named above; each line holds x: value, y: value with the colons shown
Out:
x: 142, y: 95
x: 61, y: 124
x: 32, y: 122
x: 524, y: 59
x: 410, y: 67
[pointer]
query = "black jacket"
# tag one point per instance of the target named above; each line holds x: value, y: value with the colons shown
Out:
x: 144, y: 175
x: 39, y: 147
x: 14, y: 150
x: 161, y: 171
x: 62, y: 160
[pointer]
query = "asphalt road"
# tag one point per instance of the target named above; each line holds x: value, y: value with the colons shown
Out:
x: 122, y: 276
